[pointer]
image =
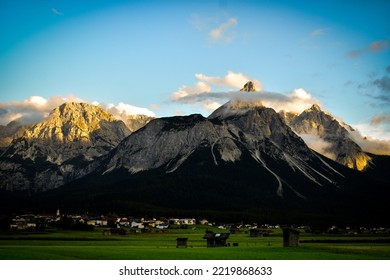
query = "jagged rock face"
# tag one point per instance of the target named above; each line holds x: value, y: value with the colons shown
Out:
x: 261, y: 124
x: 340, y: 146
x: 287, y: 116
x: 234, y: 131
x: 164, y: 141
x: 135, y: 122
x: 11, y: 131
x: 249, y: 87
x: 71, y: 130
x: 77, y: 139
x: 51, y: 152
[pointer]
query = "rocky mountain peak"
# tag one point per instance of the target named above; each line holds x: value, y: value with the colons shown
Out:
x: 249, y: 87
x: 11, y: 131
x: 235, y: 107
x: 135, y: 122
x: 315, y: 107
x: 71, y: 130
x: 71, y: 122
x: 73, y: 135
x: 334, y: 139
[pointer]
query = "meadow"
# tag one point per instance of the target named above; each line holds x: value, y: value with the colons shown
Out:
x: 93, y: 245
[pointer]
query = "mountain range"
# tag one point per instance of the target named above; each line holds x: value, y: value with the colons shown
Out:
x: 244, y: 160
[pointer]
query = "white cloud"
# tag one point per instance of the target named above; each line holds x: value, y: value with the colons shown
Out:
x: 378, y: 147
x: 296, y: 101
x: 221, y: 33
x: 231, y: 79
x: 372, y: 138
x: 35, y: 101
x: 375, y: 132
x: 202, y: 91
x: 319, y: 145
x: 186, y: 91
x: 211, y: 105
x: 122, y: 110
x: 32, y: 109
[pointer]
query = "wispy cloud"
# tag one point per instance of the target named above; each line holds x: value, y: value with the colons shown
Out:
x: 223, y: 32
x: 373, y: 47
x: 56, y: 11
x: 354, y: 53
x: 318, y: 32
x: 378, y: 88
x: 383, y: 83
x: 319, y: 145
x: 378, y: 46
x: 380, y: 119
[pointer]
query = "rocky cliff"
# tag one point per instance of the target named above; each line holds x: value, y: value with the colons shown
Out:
x: 51, y: 152
x: 337, y: 143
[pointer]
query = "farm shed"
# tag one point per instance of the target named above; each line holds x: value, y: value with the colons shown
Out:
x: 216, y: 239
x: 181, y: 242
x: 290, y: 237
x: 254, y: 232
x: 114, y: 231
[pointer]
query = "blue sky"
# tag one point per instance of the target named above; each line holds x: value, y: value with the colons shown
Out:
x: 183, y: 57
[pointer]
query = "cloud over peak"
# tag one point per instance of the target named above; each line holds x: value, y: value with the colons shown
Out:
x: 211, y: 90
x: 205, y: 93
x: 124, y: 110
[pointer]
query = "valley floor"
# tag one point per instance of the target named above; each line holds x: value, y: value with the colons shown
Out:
x: 64, y: 245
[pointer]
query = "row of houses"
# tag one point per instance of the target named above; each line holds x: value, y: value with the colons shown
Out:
x: 31, y: 221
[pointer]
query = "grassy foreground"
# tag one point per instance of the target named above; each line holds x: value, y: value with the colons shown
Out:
x: 64, y: 245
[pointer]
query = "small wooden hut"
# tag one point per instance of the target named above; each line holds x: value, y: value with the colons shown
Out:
x: 114, y: 231
x: 255, y: 232
x: 235, y: 230
x: 216, y: 239
x: 181, y: 242
x: 290, y: 237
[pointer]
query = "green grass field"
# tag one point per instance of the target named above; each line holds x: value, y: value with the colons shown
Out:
x: 64, y: 245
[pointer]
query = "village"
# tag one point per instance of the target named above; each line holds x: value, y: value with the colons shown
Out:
x: 125, y: 225
x: 112, y: 221
x: 117, y: 225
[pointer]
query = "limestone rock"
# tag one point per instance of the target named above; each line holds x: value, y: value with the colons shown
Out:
x: 249, y: 87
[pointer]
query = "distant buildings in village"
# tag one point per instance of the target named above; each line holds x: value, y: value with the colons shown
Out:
x: 40, y: 222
